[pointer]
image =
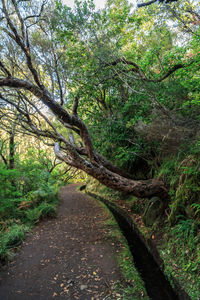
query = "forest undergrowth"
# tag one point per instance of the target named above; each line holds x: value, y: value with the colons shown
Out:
x: 28, y: 193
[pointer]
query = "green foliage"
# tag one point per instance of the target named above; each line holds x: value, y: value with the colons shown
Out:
x: 181, y: 251
x: 112, y: 100
x: 182, y: 175
x: 7, y: 190
x: 15, y: 235
x: 181, y: 255
x: 42, y: 211
x: 196, y: 207
x: 9, y: 195
x: 12, y: 237
x: 27, y: 195
x: 185, y: 230
x: 34, y: 170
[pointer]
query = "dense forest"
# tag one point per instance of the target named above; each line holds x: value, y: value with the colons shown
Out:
x: 109, y: 94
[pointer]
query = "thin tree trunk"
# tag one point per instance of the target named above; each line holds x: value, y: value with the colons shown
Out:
x: 12, y: 150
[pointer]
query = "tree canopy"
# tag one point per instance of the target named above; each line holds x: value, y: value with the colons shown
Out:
x: 82, y: 80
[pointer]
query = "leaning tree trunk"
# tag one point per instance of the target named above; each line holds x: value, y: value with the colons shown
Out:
x: 138, y: 188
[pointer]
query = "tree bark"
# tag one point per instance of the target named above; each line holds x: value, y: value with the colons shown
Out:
x: 138, y: 188
x: 12, y: 151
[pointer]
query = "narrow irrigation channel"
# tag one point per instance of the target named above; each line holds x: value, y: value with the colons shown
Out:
x: 157, y: 285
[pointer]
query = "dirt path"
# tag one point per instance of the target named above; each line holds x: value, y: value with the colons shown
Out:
x: 69, y: 257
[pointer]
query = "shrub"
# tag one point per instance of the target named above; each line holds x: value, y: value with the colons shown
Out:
x: 13, y: 237
x: 42, y: 211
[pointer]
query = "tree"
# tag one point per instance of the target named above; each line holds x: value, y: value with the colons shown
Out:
x: 154, y: 1
x: 7, y: 150
x: 34, y: 76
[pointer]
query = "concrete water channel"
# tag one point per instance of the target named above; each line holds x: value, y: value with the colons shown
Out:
x: 157, y: 285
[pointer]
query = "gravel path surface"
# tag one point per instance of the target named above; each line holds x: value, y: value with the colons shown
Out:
x: 70, y: 257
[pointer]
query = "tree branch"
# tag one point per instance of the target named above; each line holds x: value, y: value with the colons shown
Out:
x: 21, y: 44
x: 142, y: 76
x: 4, y: 69
x: 153, y: 1
x: 59, y: 81
x: 56, y: 108
x: 38, y: 15
x: 146, y: 3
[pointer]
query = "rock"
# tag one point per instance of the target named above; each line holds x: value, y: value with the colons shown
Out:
x: 152, y: 211
x: 70, y: 283
x: 83, y: 287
